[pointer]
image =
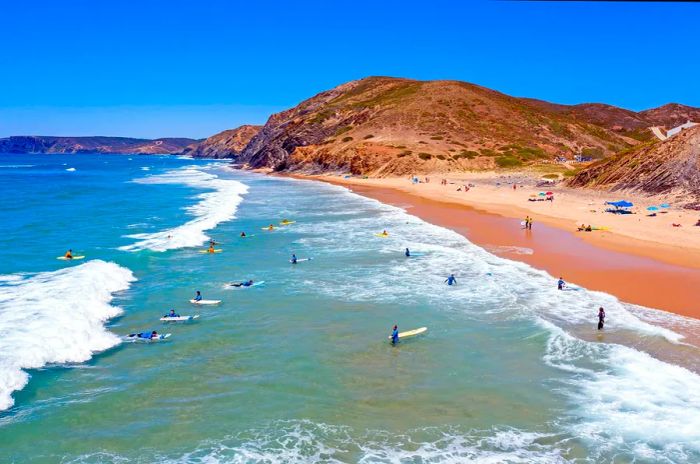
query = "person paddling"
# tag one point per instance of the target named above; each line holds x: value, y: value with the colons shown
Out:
x: 395, y: 335
x: 451, y: 280
x: 198, y: 296
x: 601, y: 318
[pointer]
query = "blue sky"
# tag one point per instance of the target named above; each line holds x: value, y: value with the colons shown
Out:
x: 192, y: 68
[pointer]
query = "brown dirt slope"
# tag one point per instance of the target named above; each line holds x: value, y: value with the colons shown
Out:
x: 389, y: 126
x: 46, y: 144
x: 226, y: 144
x: 671, y: 167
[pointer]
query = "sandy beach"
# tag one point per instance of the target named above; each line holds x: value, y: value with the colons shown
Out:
x: 640, y: 259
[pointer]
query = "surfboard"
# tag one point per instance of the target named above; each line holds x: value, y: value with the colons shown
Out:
x: 416, y: 254
x: 254, y: 284
x: 179, y: 318
x: 218, y: 250
x: 63, y: 258
x: 301, y: 260
x: 205, y: 302
x: 136, y: 338
x: 246, y: 236
x: 522, y: 223
x: 411, y: 333
x: 382, y: 235
x: 287, y: 223
x: 268, y: 229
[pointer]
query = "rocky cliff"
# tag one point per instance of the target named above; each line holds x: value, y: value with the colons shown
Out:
x: 226, y: 144
x: 671, y: 168
x: 45, y: 144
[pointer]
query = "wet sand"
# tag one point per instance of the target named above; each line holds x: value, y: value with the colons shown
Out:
x: 632, y: 277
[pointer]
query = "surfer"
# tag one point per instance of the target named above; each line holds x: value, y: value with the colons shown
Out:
x: 69, y: 254
x: 601, y: 318
x: 211, y: 248
x: 385, y: 233
x: 451, y: 280
x: 294, y: 259
x: 242, y: 234
x: 172, y: 314
x: 561, y: 284
x: 408, y: 253
x: 395, y: 335
x: 145, y: 335
x: 198, y: 296
x: 271, y: 227
x: 246, y: 283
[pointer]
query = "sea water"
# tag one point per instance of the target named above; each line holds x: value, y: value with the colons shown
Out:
x: 299, y: 369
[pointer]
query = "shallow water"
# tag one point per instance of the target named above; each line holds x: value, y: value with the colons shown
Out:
x: 299, y: 369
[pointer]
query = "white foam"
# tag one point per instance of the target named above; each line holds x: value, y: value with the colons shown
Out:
x: 54, y: 318
x: 214, y: 207
x: 70, y: 169
x: 16, y: 166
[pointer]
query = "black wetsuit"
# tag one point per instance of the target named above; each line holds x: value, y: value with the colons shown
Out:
x: 601, y: 320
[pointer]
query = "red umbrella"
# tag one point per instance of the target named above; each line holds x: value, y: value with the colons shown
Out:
x: 550, y: 193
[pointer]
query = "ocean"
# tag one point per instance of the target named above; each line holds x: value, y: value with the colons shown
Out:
x: 299, y: 369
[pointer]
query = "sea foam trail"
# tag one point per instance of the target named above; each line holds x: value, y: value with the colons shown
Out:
x: 55, y: 317
x: 213, y: 208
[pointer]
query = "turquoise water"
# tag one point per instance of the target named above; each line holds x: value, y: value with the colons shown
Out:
x: 299, y: 369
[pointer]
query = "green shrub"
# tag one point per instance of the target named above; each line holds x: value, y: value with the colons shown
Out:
x: 424, y: 156
x: 346, y: 139
x: 437, y: 137
x: 368, y: 136
x: 508, y: 162
x: 342, y: 130
x: 440, y: 157
x: 551, y: 176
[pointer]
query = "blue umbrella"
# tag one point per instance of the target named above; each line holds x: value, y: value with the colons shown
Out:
x: 665, y: 205
x: 653, y: 208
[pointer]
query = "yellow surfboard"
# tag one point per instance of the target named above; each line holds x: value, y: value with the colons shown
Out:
x: 382, y: 235
x: 411, y: 333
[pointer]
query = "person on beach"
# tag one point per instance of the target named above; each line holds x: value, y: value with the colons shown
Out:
x: 172, y: 314
x: 395, y: 335
x: 69, y: 254
x: 408, y: 253
x: 529, y: 224
x: 561, y: 284
x: 601, y: 318
x: 451, y: 280
x: 294, y: 258
x: 198, y: 296
x: 527, y: 221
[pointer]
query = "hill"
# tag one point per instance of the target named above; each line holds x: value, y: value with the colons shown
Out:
x: 671, y: 115
x: 226, y: 144
x: 390, y: 126
x: 671, y: 168
x: 46, y: 144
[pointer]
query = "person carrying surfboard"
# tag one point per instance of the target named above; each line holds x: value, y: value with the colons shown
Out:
x: 198, y: 296
x: 395, y: 335
x: 451, y: 280
x: 69, y: 254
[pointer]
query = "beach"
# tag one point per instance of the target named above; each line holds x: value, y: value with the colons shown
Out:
x: 640, y: 259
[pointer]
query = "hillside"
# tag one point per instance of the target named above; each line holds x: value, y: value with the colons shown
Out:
x: 671, y: 167
x: 671, y: 115
x: 45, y: 144
x: 226, y: 144
x: 389, y: 126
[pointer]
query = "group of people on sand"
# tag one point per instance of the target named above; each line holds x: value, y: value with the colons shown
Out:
x: 528, y: 223
x: 585, y: 228
x: 561, y: 285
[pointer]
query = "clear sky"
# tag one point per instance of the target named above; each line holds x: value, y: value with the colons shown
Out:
x: 155, y: 68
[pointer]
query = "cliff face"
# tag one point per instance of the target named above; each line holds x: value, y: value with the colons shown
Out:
x: 389, y: 126
x: 226, y: 144
x: 671, y: 167
x: 41, y: 144
x: 671, y: 115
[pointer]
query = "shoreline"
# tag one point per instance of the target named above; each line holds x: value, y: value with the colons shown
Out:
x: 626, y: 268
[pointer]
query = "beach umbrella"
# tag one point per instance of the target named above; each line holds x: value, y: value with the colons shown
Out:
x: 550, y: 193
x: 665, y: 205
x: 653, y: 208
x: 541, y: 194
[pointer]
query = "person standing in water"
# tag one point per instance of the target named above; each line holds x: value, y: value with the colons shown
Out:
x: 408, y: 253
x: 561, y: 284
x: 395, y: 335
x: 601, y: 318
x: 294, y: 258
x: 451, y: 280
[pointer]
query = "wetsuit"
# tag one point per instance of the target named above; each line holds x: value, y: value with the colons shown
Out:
x: 294, y: 259
x: 560, y: 284
x: 395, y: 336
x: 451, y: 280
x: 198, y: 298
x: 408, y: 253
x: 601, y: 320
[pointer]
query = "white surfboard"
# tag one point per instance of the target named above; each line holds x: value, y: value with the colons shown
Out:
x: 205, y: 302
x: 179, y: 318
x: 63, y: 258
x: 301, y: 260
x: 218, y: 250
x: 136, y: 338
x: 411, y: 333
